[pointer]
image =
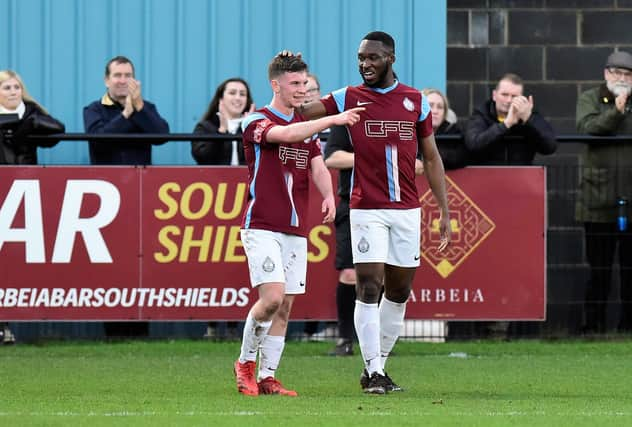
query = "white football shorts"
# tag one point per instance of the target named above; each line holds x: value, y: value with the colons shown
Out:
x: 276, y: 258
x: 390, y: 236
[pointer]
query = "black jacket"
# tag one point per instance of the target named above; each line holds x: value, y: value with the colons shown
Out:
x: 453, y: 152
x: 215, y: 152
x: 15, y: 148
x: 338, y: 140
x: 486, y: 138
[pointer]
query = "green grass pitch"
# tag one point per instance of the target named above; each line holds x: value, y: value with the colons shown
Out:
x: 190, y: 383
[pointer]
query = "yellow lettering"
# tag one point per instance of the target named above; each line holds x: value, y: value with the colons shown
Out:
x: 168, y: 244
x: 170, y: 202
x: 316, y: 240
x: 207, y: 200
x: 220, y: 234
x: 233, y: 243
x: 188, y: 242
x: 220, y: 213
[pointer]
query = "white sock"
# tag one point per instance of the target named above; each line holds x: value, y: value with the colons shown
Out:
x: 254, y: 333
x: 391, y: 323
x: 367, y: 324
x: 270, y: 353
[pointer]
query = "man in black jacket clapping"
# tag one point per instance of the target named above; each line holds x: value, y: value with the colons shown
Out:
x: 508, y: 114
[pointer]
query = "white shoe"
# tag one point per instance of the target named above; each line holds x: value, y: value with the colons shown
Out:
x: 8, y: 338
x: 328, y: 334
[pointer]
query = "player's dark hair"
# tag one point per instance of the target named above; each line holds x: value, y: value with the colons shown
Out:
x: 285, y: 64
x: 383, y: 37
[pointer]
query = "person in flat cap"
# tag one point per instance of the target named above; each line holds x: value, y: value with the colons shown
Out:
x: 606, y: 191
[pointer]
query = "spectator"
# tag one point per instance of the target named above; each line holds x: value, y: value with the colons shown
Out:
x: 312, y: 93
x: 444, y: 122
x: 509, y: 113
x: 606, y: 180
x: 506, y: 130
x: 339, y: 155
x: 230, y: 104
x: 20, y: 116
x: 122, y: 110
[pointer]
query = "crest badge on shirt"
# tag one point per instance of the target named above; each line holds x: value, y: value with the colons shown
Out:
x: 408, y: 104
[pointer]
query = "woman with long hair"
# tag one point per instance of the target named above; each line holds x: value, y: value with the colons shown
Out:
x: 230, y: 104
x: 21, y: 116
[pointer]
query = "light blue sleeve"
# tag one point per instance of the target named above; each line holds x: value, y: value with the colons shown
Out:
x: 249, y: 119
x: 340, y: 96
x: 425, y: 109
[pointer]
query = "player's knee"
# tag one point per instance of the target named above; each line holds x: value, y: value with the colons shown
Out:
x: 398, y: 295
x: 272, y: 304
x: 284, y: 309
x: 369, y: 292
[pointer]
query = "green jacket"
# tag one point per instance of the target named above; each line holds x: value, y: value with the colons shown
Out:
x: 606, y: 167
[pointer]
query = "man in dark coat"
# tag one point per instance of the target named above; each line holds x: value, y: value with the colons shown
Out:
x: 122, y: 110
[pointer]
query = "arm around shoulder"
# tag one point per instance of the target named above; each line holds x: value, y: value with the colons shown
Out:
x: 313, y: 110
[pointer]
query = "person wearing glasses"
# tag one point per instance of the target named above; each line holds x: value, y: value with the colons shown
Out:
x: 312, y: 92
x: 605, y: 191
x: 312, y: 329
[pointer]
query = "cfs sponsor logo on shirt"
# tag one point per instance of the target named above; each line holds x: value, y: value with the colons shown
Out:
x: 389, y: 128
x: 299, y: 155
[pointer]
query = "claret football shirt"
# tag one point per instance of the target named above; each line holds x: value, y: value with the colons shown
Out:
x: 278, y: 174
x: 384, y: 143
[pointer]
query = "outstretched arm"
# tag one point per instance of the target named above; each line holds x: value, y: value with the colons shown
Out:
x: 297, y: 132
x: 313, y: 110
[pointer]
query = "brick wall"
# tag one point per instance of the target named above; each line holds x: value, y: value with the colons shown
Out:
x: 559, y: 48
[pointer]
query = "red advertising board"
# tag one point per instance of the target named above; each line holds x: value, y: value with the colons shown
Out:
x: 162, y: 243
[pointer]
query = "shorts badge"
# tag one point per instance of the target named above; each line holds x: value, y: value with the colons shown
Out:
x: 268, y: 265
x: 363, y: 245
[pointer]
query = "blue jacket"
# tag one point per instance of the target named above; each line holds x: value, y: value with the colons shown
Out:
x: 105, y: 116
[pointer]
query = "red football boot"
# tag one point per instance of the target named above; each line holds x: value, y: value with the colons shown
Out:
x: 246, y: 379
x: 270, y: 385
